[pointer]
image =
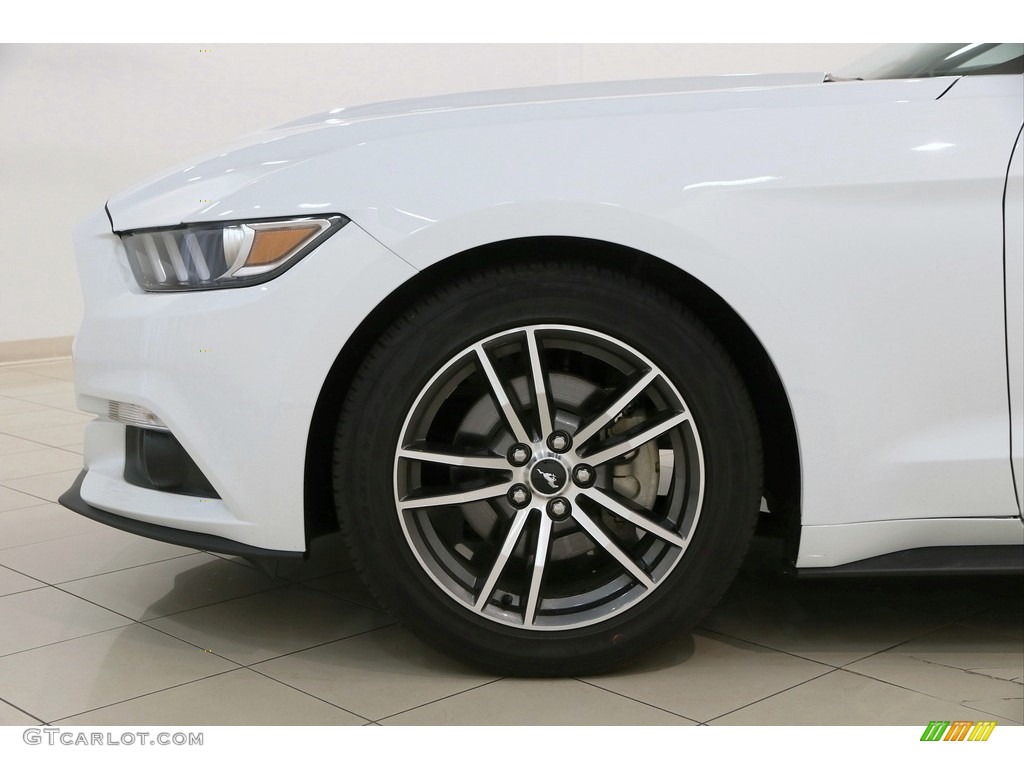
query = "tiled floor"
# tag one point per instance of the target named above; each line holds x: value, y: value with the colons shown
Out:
x: 100, y: 627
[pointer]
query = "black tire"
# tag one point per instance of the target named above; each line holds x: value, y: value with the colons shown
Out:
x: 625, y: 570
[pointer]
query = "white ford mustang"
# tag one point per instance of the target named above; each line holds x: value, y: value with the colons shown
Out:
x: 542, y: 355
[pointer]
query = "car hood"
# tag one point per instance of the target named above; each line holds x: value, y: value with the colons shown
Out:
x: 197, y: 189
x: 554, y: 93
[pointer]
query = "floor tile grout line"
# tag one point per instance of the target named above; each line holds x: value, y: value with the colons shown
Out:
x: 23, y: 591
x: 22, y: 573
x: 1001, y: 633
x: 44, y: 381
x: 63, y: 448
x: 306, y: 693
x: 792, y: 654
x: 31, y: 429
x: 346, y: 600
x: 93, y: 602
x: 152, y: 618
x: 40, y: 443
x: 209, y: 605
x: 60, y: 587
x: 35, y: 496
x: 238, y: 665
x: 27, y: 506
x: 903, y: 687
x: 38, y: 409
x: 57, y: 584
x: 310, y: 647
x: 973, y: 671
x: 442, y: 698
x: 305, y: 583
x: 101, y: 573
x: 33, y: 362
x: 146, y: 623
x: 129, y: 567
x: 23, y: 711
x: 993, y: 714
x: 46, y: 406
x: 853, y: 661
x: 36, y: 362
x: 45, y: 386
x: 290, y: 582
x: 143, y: 695
x: 37, y: 441
x: 932, y: 630
x: 912, y: 690
x: 82, y: 418
x: 250, y: 564
x: 68, y: 639
x: 638, y: 701
x: 41, y: 474
x: 273, y: 588
x: 251, y: 664
x: 79, y: 597
x: 771, y: 695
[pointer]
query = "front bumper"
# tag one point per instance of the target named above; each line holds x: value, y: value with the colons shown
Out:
x: 235, y: 374
x: 72, y: 499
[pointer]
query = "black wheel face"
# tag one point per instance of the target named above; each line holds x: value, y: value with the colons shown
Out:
x: 601, y: 511
x: 547, y: 469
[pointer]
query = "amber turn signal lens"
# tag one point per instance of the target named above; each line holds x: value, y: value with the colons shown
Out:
x: 195, y: 257
x: 271, y: 245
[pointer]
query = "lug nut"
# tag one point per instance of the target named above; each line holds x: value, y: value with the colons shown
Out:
x: 583, y: 475
x: 519, y: 455
x: 518, y: 495
x: 559, y: 441
x: 559, y: 509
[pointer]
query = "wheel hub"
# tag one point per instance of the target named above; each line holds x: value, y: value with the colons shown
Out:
x: 531, y: 481
x: 548, y: 477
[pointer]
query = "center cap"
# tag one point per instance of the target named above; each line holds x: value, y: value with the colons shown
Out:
x: 548, y: 477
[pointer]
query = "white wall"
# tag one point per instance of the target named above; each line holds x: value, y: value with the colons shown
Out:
x: 83, y: 121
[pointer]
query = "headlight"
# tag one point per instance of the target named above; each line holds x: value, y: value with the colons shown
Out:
x: 223, y: 255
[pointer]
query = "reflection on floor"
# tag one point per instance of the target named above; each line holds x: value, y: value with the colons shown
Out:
x: 101, y: 627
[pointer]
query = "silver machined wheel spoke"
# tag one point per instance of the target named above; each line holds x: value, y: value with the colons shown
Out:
x: 607, y: 454
x: 609, y: 413
x: 540, y: 392
x: 454, y: 459
x: 611, y: 548
x: 499, y: 563
x: 621, y: 510
x: 460, y: 497
x: 573, y: 567
x: 511, y: 417
x: 540, y: 560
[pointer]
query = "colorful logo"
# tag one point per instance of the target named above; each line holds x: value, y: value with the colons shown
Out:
x: 958, y: 730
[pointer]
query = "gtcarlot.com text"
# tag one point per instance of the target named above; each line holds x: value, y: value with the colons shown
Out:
x: 76, y: 738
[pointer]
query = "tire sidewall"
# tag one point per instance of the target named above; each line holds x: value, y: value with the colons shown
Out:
x: 430, y: 335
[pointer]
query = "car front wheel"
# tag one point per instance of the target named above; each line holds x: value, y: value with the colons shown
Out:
x: 548, y: 469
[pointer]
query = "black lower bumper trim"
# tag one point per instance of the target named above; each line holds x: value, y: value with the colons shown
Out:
x: 72, y: 499
x: 977, y: 560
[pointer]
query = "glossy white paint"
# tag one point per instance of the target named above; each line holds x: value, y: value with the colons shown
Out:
x: 854, y: 226
x: 1015, y: 309
x: 823, y: 546
x: 234, y: 374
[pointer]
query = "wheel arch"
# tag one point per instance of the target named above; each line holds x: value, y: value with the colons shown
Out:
x: 782, y: 481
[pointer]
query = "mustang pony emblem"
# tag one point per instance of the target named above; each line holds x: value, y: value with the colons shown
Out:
x: 550, y: 477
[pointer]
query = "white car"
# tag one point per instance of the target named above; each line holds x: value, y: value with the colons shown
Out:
x: 542, y: 355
